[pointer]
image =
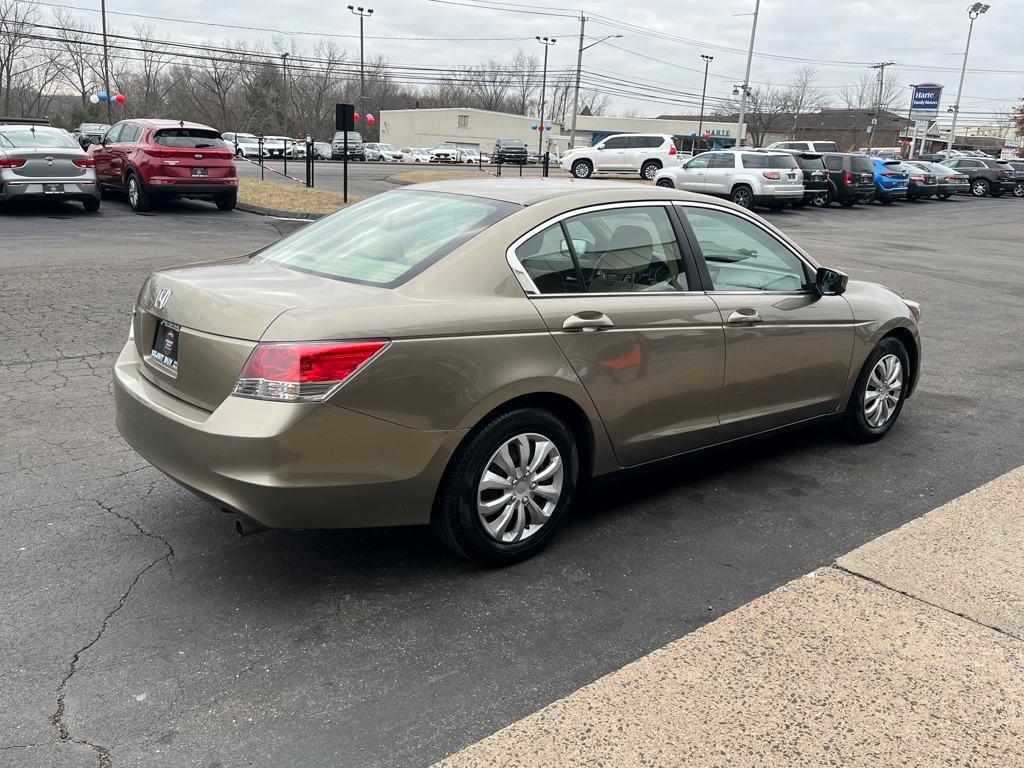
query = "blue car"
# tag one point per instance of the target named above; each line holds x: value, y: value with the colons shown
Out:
x: 891, y: 180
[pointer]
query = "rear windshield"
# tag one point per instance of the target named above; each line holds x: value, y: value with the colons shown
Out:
x: 189, y: 138
x: 388, y: 238
x: 51, y: 138
x: 862, y: 164
x: 994, y: 163
x: 810, y: 163
x: 825, y: 146
x: 768, y: 161
x: 93, y: 128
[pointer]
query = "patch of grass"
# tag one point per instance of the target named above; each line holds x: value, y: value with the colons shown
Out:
x: 421, y: 177
x: 289, y: 196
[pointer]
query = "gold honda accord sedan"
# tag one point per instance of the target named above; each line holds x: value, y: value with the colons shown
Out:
x: 470, y: 354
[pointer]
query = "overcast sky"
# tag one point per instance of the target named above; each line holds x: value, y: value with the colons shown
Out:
x: 926, y: 38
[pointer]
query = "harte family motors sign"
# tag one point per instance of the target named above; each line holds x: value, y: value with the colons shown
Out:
x: 924, y: 104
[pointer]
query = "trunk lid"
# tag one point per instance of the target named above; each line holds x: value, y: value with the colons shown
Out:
x: 191, y: 153
x: 218, y: 312
x: 48, y: 162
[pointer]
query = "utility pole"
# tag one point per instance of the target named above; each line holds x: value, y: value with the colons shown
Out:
x: 547, y: 42
x: 746, y: 78
x: 362, y: 13
x: 973, y: 11
x: 579, y: 67
x: 703, y: 93
x: 106, y: 65
x: 878, y: 102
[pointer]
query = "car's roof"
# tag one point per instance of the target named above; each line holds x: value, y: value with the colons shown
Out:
x: 156, y: 123
x: 536, y: 190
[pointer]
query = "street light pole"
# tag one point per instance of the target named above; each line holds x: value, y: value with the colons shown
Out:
x: 284, y: 72
x: 910, y: 116
x: 106, y: 65
x: 703, y: 93
x: 973, y: 11
x: 362, y: 13
x: 547, y: 42
x: 746, y: 78
x: 579, y: 68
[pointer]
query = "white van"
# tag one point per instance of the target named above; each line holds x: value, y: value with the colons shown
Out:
x: 643, y: 153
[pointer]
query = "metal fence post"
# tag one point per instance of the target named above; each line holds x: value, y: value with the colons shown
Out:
x: 259, y: 143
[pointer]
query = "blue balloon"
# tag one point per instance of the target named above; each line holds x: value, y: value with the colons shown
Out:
x: 547, y: 127
x: 103, y: 95
x: 533, y: 126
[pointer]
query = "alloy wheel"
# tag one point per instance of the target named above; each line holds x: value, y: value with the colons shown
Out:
x: 980, y: 188
x: 581, y: 170
x: 1018, y: 189
x: 741, y: 197
x: 133, y: 191
x: 520, y: 488
x: 883, y: 390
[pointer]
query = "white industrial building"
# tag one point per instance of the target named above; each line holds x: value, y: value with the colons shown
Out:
x: 479, y: 128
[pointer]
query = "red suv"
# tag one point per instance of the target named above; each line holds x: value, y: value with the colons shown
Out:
x: 166, y: 158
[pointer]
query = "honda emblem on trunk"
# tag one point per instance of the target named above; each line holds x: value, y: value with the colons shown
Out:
x: 162, y: 298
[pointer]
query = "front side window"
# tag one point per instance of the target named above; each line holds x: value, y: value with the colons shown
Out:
x: 700, y: 161
x: 616, y: 142
x: 619, y: 250
x: 740, y: 256
x: 388, y: 238
x: 114, y: 134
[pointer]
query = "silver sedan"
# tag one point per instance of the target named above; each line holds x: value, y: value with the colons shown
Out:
x: 38, y: 161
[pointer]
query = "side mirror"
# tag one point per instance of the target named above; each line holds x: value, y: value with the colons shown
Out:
x: 830, y: 282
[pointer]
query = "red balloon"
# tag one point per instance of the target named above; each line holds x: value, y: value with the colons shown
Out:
x: 119, y: 98
x: 370, y: 119
x: 355, y: 116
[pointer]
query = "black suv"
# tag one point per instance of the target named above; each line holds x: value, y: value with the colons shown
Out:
x: 852, y: 178
x: 1018, y: 176
x: 817, y: 185
x: 509, y: 151
x: 987, y: 177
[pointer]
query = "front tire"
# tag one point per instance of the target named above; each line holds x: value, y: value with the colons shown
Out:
x: 879, y: 393
x: 663, y: 182
x: 582, y: 169
x: 848, y: 202
x: 92, y: 205
x: 507, y: 488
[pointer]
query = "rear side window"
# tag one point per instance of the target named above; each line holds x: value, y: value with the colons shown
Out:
x: 187, y: 138
x: 722, y: 160
x: 825, y: 146
x: 861, y: 164
x: 834, y: 163
x: 752, y: 160
x: 388, y: 238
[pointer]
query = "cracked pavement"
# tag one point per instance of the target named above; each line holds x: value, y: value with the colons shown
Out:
x: 138, y: 629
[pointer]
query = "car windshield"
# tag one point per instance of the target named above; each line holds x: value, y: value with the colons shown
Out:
x: 810, y: 162
x: 51, y: 138
x: 511, y: 143
x: 189, y: 138
x: 388, y: 238
x: 93, y: 128
x: 444, y: 146
x: 353, y: 137
x: 386, y: 147
x: 754, y: 160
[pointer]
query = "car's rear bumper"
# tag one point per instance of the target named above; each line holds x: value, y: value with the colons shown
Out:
x: 73, y: 190
x: 780, y: 193
x: 891, y: 194
x: 170, y: 186
x: 856, y: 191
x: 285, y: 465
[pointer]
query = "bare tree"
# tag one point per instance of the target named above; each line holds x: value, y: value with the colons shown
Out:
x: 804, y: 95
x: 16, y: 23
x: 863, y: 94
x: 525, y: 69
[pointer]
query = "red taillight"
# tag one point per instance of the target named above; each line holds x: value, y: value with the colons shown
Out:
x: 303, y: 370
x: 672, y: 149
x: 890, y: 174
x: 155, y: 152
x: 773, y: 175
x: 84, y: 162
x: 918, y: 179
x: 11, y: 162
x: 847, y: 178
x: 951, y: 178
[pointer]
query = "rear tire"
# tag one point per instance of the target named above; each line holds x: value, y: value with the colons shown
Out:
x: 861, y: 423
x: 91, y: 205
x: 823, y: 200
x: 849, y: 202
x: 480, y: 535
x: 226, y: 202
x: 650, y: 169
x: 138, y: 198
x: 945, y: 195
x: 980, y: 187
x: 582, y: 169
x: 742, y: 196
x: 885, y: 200
x: 1018, y: 189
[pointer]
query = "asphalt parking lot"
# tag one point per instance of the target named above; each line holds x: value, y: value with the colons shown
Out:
x: 139, y: 629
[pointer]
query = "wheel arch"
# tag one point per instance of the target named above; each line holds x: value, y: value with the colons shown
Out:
x: 910, y: 343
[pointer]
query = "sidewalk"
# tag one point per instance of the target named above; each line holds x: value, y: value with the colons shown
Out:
x: 909, y: 651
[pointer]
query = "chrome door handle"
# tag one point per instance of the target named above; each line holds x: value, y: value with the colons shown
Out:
x: 744, y: 315
x: 587, y: 321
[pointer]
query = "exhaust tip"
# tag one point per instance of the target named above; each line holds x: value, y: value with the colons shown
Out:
x: 246, y: 526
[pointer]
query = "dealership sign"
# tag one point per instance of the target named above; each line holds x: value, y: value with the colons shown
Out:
x: 925, y: 101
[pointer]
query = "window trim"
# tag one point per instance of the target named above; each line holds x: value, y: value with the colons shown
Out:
x: 698, y: 254
x: 530, y: 288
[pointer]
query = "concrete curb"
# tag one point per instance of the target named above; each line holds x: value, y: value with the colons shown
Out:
x: 261, y: 211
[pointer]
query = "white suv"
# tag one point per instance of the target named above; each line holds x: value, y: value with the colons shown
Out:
x: 643, y: 153
x: 807, y: 146
x: 748, y: 177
